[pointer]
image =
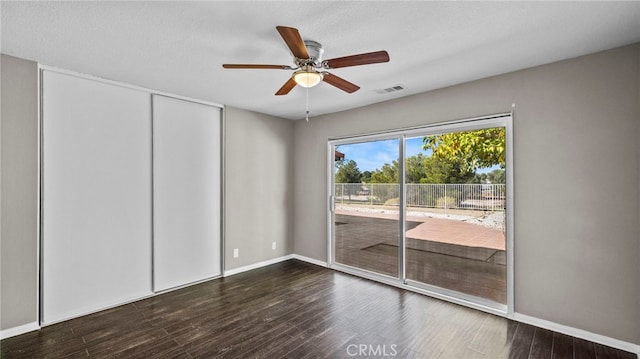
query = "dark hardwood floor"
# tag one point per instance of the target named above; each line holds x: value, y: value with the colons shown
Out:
x: 296, y: 310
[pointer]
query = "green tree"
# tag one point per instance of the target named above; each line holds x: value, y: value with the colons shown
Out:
x: 430, y: 169
x: 348, y: 172
x: 473, y: 149
x: 366, y: 176
x: 479, y: 178
x: 387, y: 174
x: 415, y: 170
x: 438, y: 170
x: 497, y: 176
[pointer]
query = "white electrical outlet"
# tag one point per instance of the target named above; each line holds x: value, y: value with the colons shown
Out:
x: 236, y: 253
x: 273, y: 245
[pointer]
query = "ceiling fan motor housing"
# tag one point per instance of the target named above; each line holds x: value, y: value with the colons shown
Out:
x: 315, y: 51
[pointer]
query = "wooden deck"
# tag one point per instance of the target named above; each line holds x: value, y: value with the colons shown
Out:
x: 436, y: 258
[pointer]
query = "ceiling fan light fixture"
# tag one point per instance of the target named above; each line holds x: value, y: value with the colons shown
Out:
x: 307, y: 77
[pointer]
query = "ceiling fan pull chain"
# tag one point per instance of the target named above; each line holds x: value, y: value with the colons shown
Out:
x: 307, y: 95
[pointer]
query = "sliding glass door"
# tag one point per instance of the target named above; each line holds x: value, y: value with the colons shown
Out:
x: 455, y: 212
x: 427, y: 208
x: 366, y: 192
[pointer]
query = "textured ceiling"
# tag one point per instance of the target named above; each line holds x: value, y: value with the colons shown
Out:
x: 179, y: 47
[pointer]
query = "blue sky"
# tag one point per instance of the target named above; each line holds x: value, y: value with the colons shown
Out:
x: 373, y: 155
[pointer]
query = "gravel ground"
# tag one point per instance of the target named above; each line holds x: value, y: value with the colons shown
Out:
x: 490, y: 219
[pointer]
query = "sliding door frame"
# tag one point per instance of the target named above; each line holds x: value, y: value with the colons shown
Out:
x: 504, y: 120
x: 332, y: 144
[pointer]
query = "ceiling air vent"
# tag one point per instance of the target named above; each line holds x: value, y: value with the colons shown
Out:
x: 390, y: 89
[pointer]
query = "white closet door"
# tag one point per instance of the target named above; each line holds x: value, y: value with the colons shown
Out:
x: 96, y: 199
x: 186, y: 192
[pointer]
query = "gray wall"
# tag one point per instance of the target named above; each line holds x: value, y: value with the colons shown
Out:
x: 577, y: 183
x: 577, y: 175
x: 258, y: 187
x: 19, y: 188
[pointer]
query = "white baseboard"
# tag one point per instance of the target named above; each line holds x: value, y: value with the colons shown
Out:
x: 21, y: 329
x: 578, y: 333
x: 257, y: 265
x: 310, y: 260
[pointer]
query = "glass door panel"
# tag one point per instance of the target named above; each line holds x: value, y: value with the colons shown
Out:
x: 455, y: 212
x: 366, y: 194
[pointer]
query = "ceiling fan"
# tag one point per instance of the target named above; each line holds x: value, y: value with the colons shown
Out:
x: 309, y: 64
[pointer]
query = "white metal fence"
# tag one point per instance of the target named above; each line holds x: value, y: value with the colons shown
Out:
x: 488, y: 197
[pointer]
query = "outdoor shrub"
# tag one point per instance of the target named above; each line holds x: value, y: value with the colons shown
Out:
x: 446, y: 202
x: 392, y: 202
x: 384, y: 191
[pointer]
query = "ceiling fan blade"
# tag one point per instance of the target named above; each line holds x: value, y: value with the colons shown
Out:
x: 287, y: 87
x: 340, y: 83
x: 357, y: 60
x: 292, y: 37
x: 251, y: 66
